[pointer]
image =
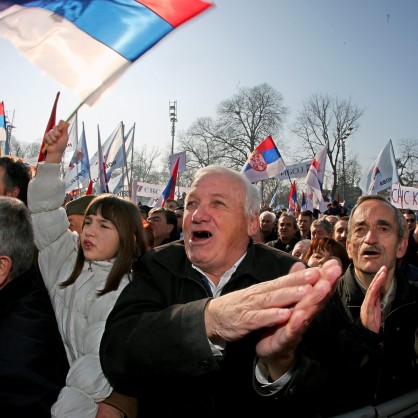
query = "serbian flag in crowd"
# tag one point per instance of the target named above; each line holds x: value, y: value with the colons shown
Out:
x: 3, y: 136
x: 87, y: 45
x: 168, y: 192
x: 265, y: 162
x: 293, y: 198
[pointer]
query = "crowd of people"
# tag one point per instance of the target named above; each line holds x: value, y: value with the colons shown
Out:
x: 207, y: 306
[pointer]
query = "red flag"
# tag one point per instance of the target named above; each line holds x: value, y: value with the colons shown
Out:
x: 51, y: 123
x: 90, y: 188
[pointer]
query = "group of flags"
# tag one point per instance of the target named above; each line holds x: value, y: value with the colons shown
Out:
x: 41, y: 29
x: 266, y: 162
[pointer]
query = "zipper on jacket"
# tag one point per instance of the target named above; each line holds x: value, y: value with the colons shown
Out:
x: 90, y: 267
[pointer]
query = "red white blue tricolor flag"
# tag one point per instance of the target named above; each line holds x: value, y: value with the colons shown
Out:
x: 264, y: 163
x: 2, y: 123
x: 87, y: 44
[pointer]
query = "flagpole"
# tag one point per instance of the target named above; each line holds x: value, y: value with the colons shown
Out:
x: 45, y: 148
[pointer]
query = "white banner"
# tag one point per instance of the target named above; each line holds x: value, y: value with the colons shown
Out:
x: 155, y: 190
x: 295, y: 171
x: 404, y: 197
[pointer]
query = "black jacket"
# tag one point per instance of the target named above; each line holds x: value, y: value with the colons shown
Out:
x: 363, y: 367
x: 155, y: 345
x: 33, y: 363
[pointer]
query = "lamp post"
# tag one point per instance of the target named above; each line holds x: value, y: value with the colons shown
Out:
x: 173, y: 120
x: 343, y: 137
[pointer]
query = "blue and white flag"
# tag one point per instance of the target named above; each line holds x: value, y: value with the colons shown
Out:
x: 382, y: 173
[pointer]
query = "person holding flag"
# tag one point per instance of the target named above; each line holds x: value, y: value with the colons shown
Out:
x: 84, y: 275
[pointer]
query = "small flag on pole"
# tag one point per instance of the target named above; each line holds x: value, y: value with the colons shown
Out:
x: 264, y: 163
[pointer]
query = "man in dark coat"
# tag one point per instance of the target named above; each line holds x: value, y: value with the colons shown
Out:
x: 365, y: 338
x: 33, y: 362
x: 205, y: 328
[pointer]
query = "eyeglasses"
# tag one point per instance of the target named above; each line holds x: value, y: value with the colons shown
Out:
x: 412, y: 221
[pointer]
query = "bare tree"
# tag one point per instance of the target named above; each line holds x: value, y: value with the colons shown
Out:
x: 143, y: 166
x: 248, y: 118
x: 407, y: 163
x: 324, y: 119
x: 243, y: 121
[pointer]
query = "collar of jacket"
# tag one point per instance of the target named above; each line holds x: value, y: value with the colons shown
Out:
x: 261, y: 261
x: 353, y: 294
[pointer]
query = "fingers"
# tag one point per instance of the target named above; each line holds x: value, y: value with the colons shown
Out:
x: 370, y: 312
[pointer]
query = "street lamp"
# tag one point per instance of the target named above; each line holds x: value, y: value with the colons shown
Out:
x: 173, y: 119
x: 343, y: 137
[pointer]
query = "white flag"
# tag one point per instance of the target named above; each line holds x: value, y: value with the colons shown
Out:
x: 382, y: 173
x: 316, y: 173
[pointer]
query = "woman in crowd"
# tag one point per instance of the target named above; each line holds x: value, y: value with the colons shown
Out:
x: 323, y: 249
x: 84, y: 277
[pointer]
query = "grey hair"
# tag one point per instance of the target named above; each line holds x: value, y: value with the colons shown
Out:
x: 16, y: 234
x: 269, y: 214
x: 252, y: 197
x: 398, y: 214
x: 325, y: 223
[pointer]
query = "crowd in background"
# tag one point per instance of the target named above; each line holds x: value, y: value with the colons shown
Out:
x: 145, y: 296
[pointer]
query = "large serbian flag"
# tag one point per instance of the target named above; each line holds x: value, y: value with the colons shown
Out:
x: 265, y: 162
x: 86, y: 45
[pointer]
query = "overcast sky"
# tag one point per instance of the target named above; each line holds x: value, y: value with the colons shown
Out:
x: 365, y: 51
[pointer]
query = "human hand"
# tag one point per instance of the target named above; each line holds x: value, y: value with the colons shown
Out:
x: 56, y: 139
x: 108, y: 411
x: 234, y: 315
x: 277, y: 345
x: 371, y: 311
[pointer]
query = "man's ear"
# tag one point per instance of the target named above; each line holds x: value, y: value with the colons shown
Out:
x: 14, y: 192
x: 5, y: 267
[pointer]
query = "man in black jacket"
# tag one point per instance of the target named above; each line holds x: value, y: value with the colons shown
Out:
x: 208, y: 327
x: 365, y: 338
x: 33, y: 363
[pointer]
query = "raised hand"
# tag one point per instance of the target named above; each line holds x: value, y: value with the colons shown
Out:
x: 371, y: 311
x: 56, y: 139
x: 277, y: 345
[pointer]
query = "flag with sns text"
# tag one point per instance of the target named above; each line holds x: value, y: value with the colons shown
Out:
x: 49, y: 126
x: 264, y: 163
x: 87, y: 45
x: 382, y: 173
x: 315, y: 176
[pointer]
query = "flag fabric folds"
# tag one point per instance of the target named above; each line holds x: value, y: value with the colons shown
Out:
x: 3, y: 136
x: 315, y: 176
x: 168, y: 192
x: 79, y: 166
x: 382, y: 173
x: 303, y: 205
x: 49, y: 126
x: 102, y: 180
x: 265, y: 162
x: 87, y: 48
x: 293, y: 198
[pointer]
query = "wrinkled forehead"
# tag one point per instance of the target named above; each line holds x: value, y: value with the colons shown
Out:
x: 221, y: 184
